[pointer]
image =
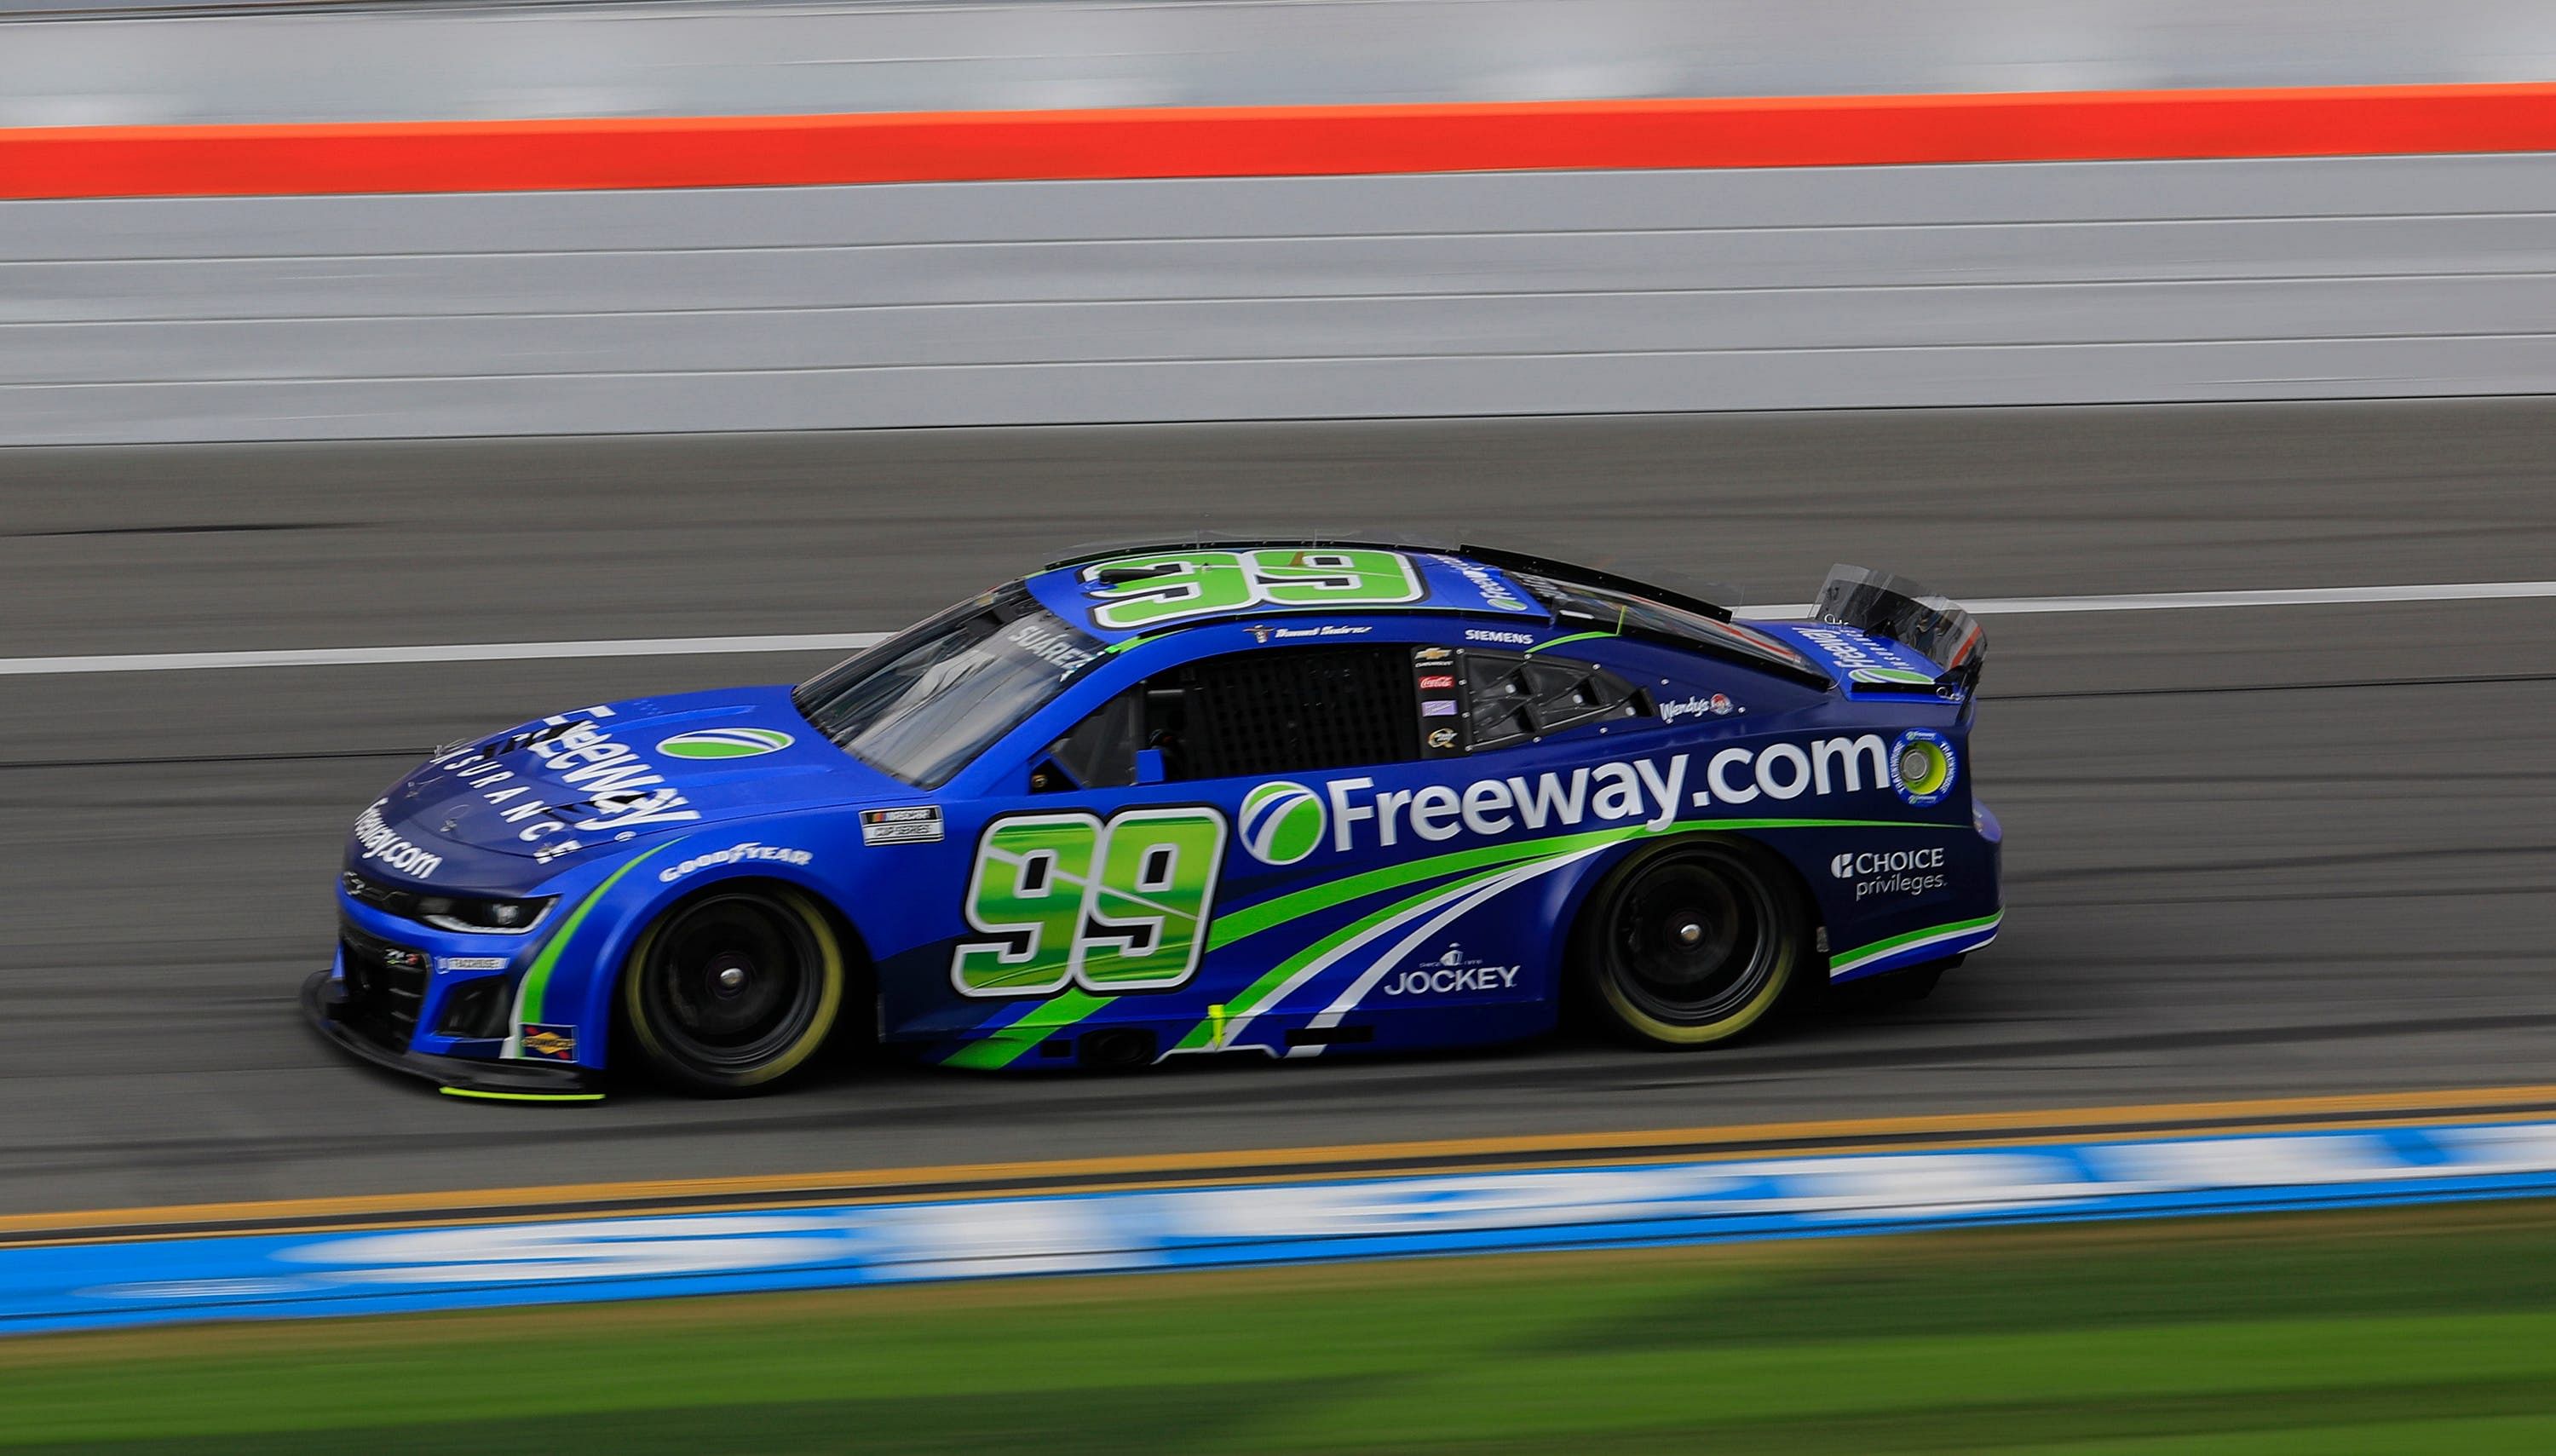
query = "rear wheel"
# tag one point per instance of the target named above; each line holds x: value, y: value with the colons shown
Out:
x: 728, y: 993
x: 1689, y: 944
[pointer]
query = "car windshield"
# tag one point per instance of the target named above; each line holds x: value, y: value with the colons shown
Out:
x: 921, y: 705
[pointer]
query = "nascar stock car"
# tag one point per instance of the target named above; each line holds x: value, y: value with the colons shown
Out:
x: 1292, y: 798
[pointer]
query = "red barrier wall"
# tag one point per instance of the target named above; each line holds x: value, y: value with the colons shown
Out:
x: 758, y: 151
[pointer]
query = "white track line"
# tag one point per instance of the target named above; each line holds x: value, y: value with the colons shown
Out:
x: 854, y: 642
x: 2186, y: 600
x: 455, y: 652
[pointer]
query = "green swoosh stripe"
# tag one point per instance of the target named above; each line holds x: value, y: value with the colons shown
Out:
x: 1005, y: 1042
x: 1861, y: 955
x: 536, y: 980
x: 1008, y: 1044
x: 1252, y: 920
x: 1258, y: 996
x: 1034, y: 1021
x: 1573, y: 637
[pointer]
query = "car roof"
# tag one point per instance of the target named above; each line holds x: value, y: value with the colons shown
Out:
x: 1124, y: 592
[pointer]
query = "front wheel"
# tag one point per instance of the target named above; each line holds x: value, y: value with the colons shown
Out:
x: 1689, y: 944
x: 731, y: 991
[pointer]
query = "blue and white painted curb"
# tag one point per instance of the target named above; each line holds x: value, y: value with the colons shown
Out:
x: 486, y: 1266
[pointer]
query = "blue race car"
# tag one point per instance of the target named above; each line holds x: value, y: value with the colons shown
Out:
x: 1296, y: 798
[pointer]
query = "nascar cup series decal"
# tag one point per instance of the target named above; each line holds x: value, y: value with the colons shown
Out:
x: 727, y: 743
x: 912, y: 824
x: 1282, y: 823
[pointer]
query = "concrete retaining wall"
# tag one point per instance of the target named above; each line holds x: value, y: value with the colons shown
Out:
x: 722, y: 58
x: 331, y: 317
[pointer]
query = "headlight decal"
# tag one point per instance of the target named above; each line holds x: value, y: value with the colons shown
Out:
x: 489, y: 916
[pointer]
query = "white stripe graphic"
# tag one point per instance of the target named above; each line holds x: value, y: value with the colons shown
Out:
x: 1987, y: 933
x: 1347, y: 999
x: 856, y: 641
x: 1234, y: 1025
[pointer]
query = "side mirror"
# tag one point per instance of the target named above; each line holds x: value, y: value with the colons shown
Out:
x: 1149, y: 766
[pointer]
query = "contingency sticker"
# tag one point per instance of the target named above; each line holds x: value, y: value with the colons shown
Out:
x: 918, y: 824
x: 549, y: 1043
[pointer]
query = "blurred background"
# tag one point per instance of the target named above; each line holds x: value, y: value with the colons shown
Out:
x: 376, y: 374
x: 2189, y: 262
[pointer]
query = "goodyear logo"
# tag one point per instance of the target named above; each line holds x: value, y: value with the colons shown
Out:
x: 728, y: 743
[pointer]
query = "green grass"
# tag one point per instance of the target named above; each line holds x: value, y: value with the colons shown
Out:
x: 2321, y: 1335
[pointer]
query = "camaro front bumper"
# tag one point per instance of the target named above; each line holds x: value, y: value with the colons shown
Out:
x: 457, y: 1076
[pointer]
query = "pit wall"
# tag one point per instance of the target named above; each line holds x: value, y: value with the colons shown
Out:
x: 201, y: 62
x: 1303, y: 256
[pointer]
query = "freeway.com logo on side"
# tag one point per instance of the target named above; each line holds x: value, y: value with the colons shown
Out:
x: 1284, y: 822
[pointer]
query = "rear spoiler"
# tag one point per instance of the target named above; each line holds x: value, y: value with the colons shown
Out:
x: 1923, y: 621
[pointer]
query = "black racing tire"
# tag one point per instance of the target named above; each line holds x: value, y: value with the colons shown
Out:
x: 733, y: 990
x: 1689, y: 943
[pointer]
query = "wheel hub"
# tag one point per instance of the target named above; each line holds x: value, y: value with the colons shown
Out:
x: 732, y: 980
x: 1691, y: 940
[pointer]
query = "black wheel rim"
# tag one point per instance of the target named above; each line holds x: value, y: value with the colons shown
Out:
x: 1694, y: 940
x: 732, y: 982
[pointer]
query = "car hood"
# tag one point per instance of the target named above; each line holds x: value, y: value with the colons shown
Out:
x: 619, y: 771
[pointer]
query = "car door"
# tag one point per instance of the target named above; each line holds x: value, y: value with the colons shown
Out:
x: 1364, y: 892
x: 1173, y: 862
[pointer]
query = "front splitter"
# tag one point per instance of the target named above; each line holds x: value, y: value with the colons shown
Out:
x: 453, y: 1076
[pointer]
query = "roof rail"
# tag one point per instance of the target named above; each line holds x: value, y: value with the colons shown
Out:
x: 1490, y: 556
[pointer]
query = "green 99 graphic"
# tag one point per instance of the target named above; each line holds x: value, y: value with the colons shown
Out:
x: 1186, y: 584
x: 1069, y: 900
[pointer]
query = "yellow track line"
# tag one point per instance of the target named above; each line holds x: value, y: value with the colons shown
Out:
x: 1263, y: 1164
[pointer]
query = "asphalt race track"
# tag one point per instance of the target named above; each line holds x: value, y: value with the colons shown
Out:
x: 2252, y: 851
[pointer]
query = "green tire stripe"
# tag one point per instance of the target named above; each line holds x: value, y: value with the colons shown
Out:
x: 536, y: 980
x: 1848, y: 959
